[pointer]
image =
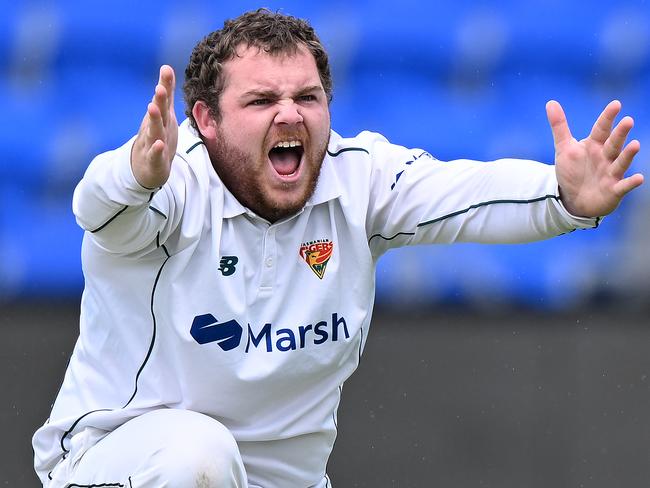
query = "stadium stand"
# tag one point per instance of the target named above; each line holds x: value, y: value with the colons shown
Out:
x: 459, y: 79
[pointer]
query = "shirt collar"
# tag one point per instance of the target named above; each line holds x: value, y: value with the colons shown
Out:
x: 329, y: 185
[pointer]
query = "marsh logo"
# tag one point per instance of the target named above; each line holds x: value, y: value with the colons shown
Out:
x: 206, y: 329
x: 228, y: 335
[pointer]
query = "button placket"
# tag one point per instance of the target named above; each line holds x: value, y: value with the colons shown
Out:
x: 269, y: 259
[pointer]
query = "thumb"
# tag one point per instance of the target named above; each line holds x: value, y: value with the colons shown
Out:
x: 557, y: 121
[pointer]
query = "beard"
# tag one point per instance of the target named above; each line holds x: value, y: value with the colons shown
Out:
x: 246, y: 177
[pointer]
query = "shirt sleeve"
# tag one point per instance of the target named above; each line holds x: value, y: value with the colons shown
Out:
x: 417, y: 199
x: 121, y: 215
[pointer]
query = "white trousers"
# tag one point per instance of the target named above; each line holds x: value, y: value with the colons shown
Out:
x: 161, y: 449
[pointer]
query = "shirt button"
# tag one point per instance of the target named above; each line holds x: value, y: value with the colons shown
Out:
x: 269, y: 262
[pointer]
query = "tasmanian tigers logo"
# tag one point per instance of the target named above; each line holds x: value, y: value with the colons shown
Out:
x: 317, y: 254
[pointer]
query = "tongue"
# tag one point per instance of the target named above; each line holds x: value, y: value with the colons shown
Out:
x: 284, y: 161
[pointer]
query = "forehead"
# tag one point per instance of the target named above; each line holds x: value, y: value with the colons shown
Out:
x: 254, y: 68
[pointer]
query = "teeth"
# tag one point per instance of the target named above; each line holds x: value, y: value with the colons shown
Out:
x: 288, y: 144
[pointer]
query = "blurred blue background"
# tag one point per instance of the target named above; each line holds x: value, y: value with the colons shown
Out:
x: 462, y: 79
x: 519, y: 399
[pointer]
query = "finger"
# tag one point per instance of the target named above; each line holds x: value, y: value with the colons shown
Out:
x: 603, y: 126
x: 155, y: 153
x: 161, y: 98
x: 626, y: 185
x: 558, y: 123
x: 168, y: 80
x: 154, y: 129
x: 616, y: 139
x: 622, y: 163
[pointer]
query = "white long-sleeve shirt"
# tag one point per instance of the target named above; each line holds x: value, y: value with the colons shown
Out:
x: 192, y: 301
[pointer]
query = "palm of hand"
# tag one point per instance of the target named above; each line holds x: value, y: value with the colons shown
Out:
x: 155, y: 146
x: 591, y: 172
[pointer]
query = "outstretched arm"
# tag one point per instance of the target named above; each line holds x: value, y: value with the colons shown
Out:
x: 591, y: 172
x: 110, y: 201
x: 155, y: 145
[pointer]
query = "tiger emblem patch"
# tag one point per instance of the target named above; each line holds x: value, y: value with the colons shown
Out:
x: 317, y: 254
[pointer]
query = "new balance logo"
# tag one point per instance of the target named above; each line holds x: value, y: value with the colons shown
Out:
x: 228, y: 335
x: 227, y: 265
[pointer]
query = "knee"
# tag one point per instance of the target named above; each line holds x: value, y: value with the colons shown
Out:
x: 204, y: 470
x: 199, y: 453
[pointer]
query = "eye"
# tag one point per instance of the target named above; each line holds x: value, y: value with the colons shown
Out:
x: 307, y: 98
x: 260, y: 101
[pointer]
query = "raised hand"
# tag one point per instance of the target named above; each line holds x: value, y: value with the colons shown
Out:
x: 591, y: 172
x: 155, y: 145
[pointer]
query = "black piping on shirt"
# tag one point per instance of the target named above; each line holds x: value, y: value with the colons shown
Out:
x: 193, y: 146
x: 96, y: 486
x: 345, y: 149
x: 155, y: 210
x: 484, y: 204
x: 465, y: 210
x: 109, y: 220
x: 146, y: 359
x: 153, y: 336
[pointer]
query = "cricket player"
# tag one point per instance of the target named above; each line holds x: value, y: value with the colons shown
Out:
x: 229, y: 263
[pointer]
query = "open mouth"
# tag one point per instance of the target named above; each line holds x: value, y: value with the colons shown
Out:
x: 286, y: 156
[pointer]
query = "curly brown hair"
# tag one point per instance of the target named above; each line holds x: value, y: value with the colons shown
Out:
x: 273, y: 32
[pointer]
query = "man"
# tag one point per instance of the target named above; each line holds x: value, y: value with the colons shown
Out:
x: 229, y: 263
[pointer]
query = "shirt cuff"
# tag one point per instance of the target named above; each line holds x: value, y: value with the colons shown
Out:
x: 576, y: 221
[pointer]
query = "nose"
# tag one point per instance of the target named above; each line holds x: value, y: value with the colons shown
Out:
x: 288, y: 113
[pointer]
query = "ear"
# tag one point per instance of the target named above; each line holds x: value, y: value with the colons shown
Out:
x: 205, y: 121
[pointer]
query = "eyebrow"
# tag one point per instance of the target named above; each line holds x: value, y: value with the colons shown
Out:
x: 309, y: 89
x: 259, y: 93
x: 263, y: 93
